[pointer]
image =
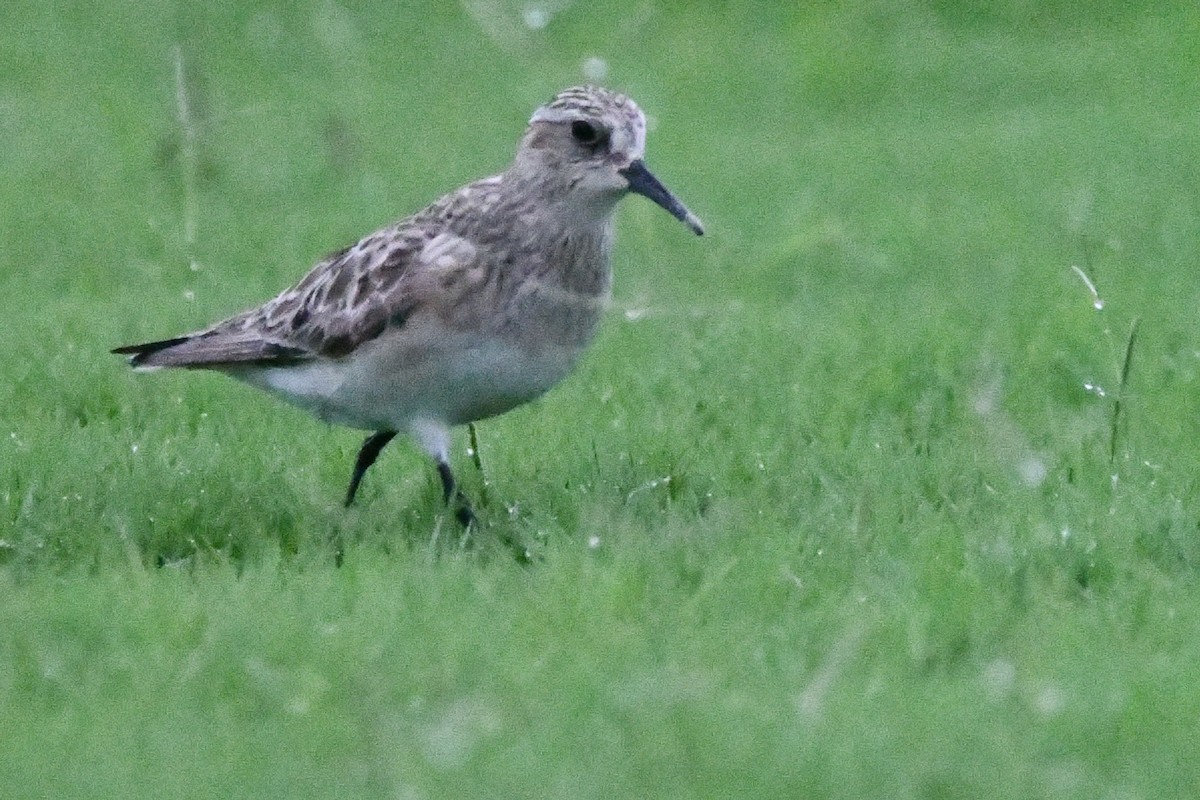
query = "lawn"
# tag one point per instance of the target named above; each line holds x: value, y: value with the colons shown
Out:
x: 885, y: 488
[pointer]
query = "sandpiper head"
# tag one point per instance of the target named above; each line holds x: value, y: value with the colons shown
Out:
x: 594, y: 140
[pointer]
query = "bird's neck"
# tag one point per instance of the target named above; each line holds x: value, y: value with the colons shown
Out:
x: 557, y: 205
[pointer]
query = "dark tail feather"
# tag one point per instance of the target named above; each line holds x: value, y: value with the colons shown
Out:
x: 211, y: 350
x: 140, y: 352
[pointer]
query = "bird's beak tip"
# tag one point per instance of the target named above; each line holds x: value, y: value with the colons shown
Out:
x: 642, y: 182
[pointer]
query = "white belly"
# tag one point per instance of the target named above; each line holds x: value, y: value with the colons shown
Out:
x: 388, y: 383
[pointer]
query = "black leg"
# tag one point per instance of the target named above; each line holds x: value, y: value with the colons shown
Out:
x: 448, y: 484
x: 450, y: 493
x: 366, y: 457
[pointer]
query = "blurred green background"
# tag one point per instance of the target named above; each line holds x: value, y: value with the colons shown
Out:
x: 860, y: 495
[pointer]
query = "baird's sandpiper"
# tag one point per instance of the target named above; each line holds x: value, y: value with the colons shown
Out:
x: 476, y: 304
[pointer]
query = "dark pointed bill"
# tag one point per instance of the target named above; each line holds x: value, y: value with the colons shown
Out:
x: 643, y: 182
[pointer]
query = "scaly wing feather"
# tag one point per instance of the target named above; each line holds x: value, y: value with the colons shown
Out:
x: 349, y: 298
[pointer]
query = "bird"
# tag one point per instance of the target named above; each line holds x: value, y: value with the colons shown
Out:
x: 475, y: 305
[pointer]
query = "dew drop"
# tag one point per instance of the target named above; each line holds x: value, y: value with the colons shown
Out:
x: 535, y: 18
x: 595, y: 69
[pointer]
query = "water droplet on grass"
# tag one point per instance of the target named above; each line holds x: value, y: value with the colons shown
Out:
x: 999, y: 676
x: 535, y: 17
x: 595, y: 69
x: 1033, y: 471
x: 1050, y: 700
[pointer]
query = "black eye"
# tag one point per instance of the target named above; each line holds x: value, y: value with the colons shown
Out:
x: 587, y: 133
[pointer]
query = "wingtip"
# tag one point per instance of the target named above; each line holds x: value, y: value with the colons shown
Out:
x: 139, y: 353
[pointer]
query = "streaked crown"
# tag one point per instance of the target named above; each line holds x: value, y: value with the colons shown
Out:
x: 612, y: 115
x: 596, y: 118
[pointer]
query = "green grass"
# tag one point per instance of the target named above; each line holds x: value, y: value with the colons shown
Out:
x: 826, y: 512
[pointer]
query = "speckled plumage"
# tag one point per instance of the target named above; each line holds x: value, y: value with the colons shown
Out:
x: 478, y: 303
